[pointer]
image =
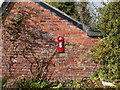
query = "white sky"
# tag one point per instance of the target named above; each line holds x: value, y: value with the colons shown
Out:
x: 1, y: 1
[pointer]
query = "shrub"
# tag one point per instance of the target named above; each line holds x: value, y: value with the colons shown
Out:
x: 69, y: 84
x: 108, y: 50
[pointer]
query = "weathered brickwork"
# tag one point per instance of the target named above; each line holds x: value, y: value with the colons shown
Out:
x: 21, y: 53
x: 1, y: 44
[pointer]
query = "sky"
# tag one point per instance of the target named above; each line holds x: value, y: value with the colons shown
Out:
x: 1, y: 1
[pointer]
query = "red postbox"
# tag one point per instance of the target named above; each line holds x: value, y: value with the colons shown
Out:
x: 60, y: 44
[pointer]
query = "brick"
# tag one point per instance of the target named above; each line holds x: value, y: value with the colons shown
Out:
x: 74, y: 63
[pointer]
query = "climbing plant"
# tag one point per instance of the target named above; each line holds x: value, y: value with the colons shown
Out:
x: 25, y: 42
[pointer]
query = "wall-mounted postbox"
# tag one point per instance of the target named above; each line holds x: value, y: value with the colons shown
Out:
x: 60, y: 44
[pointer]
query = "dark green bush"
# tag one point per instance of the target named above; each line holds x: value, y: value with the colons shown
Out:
x: 24, y: 83
x: 69, y: 84
x: 108, y: 50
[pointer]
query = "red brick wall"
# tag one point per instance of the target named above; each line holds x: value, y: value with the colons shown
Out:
x: 1, y: 44
x: 46, y: 27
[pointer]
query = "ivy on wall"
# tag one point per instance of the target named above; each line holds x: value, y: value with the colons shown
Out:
x: 24, y: 41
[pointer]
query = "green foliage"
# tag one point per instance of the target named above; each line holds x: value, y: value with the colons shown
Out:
x: 78, y: 84
x: 84, y: 13
x: 87, y: 16
x: 4, y: 80
x: 57, y: 85
x: 108, y: 50
x: 109, y: 20
x: 24, y: 83
x: 37, y: 84
x: 0, y: 83
x: 67, y: 7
